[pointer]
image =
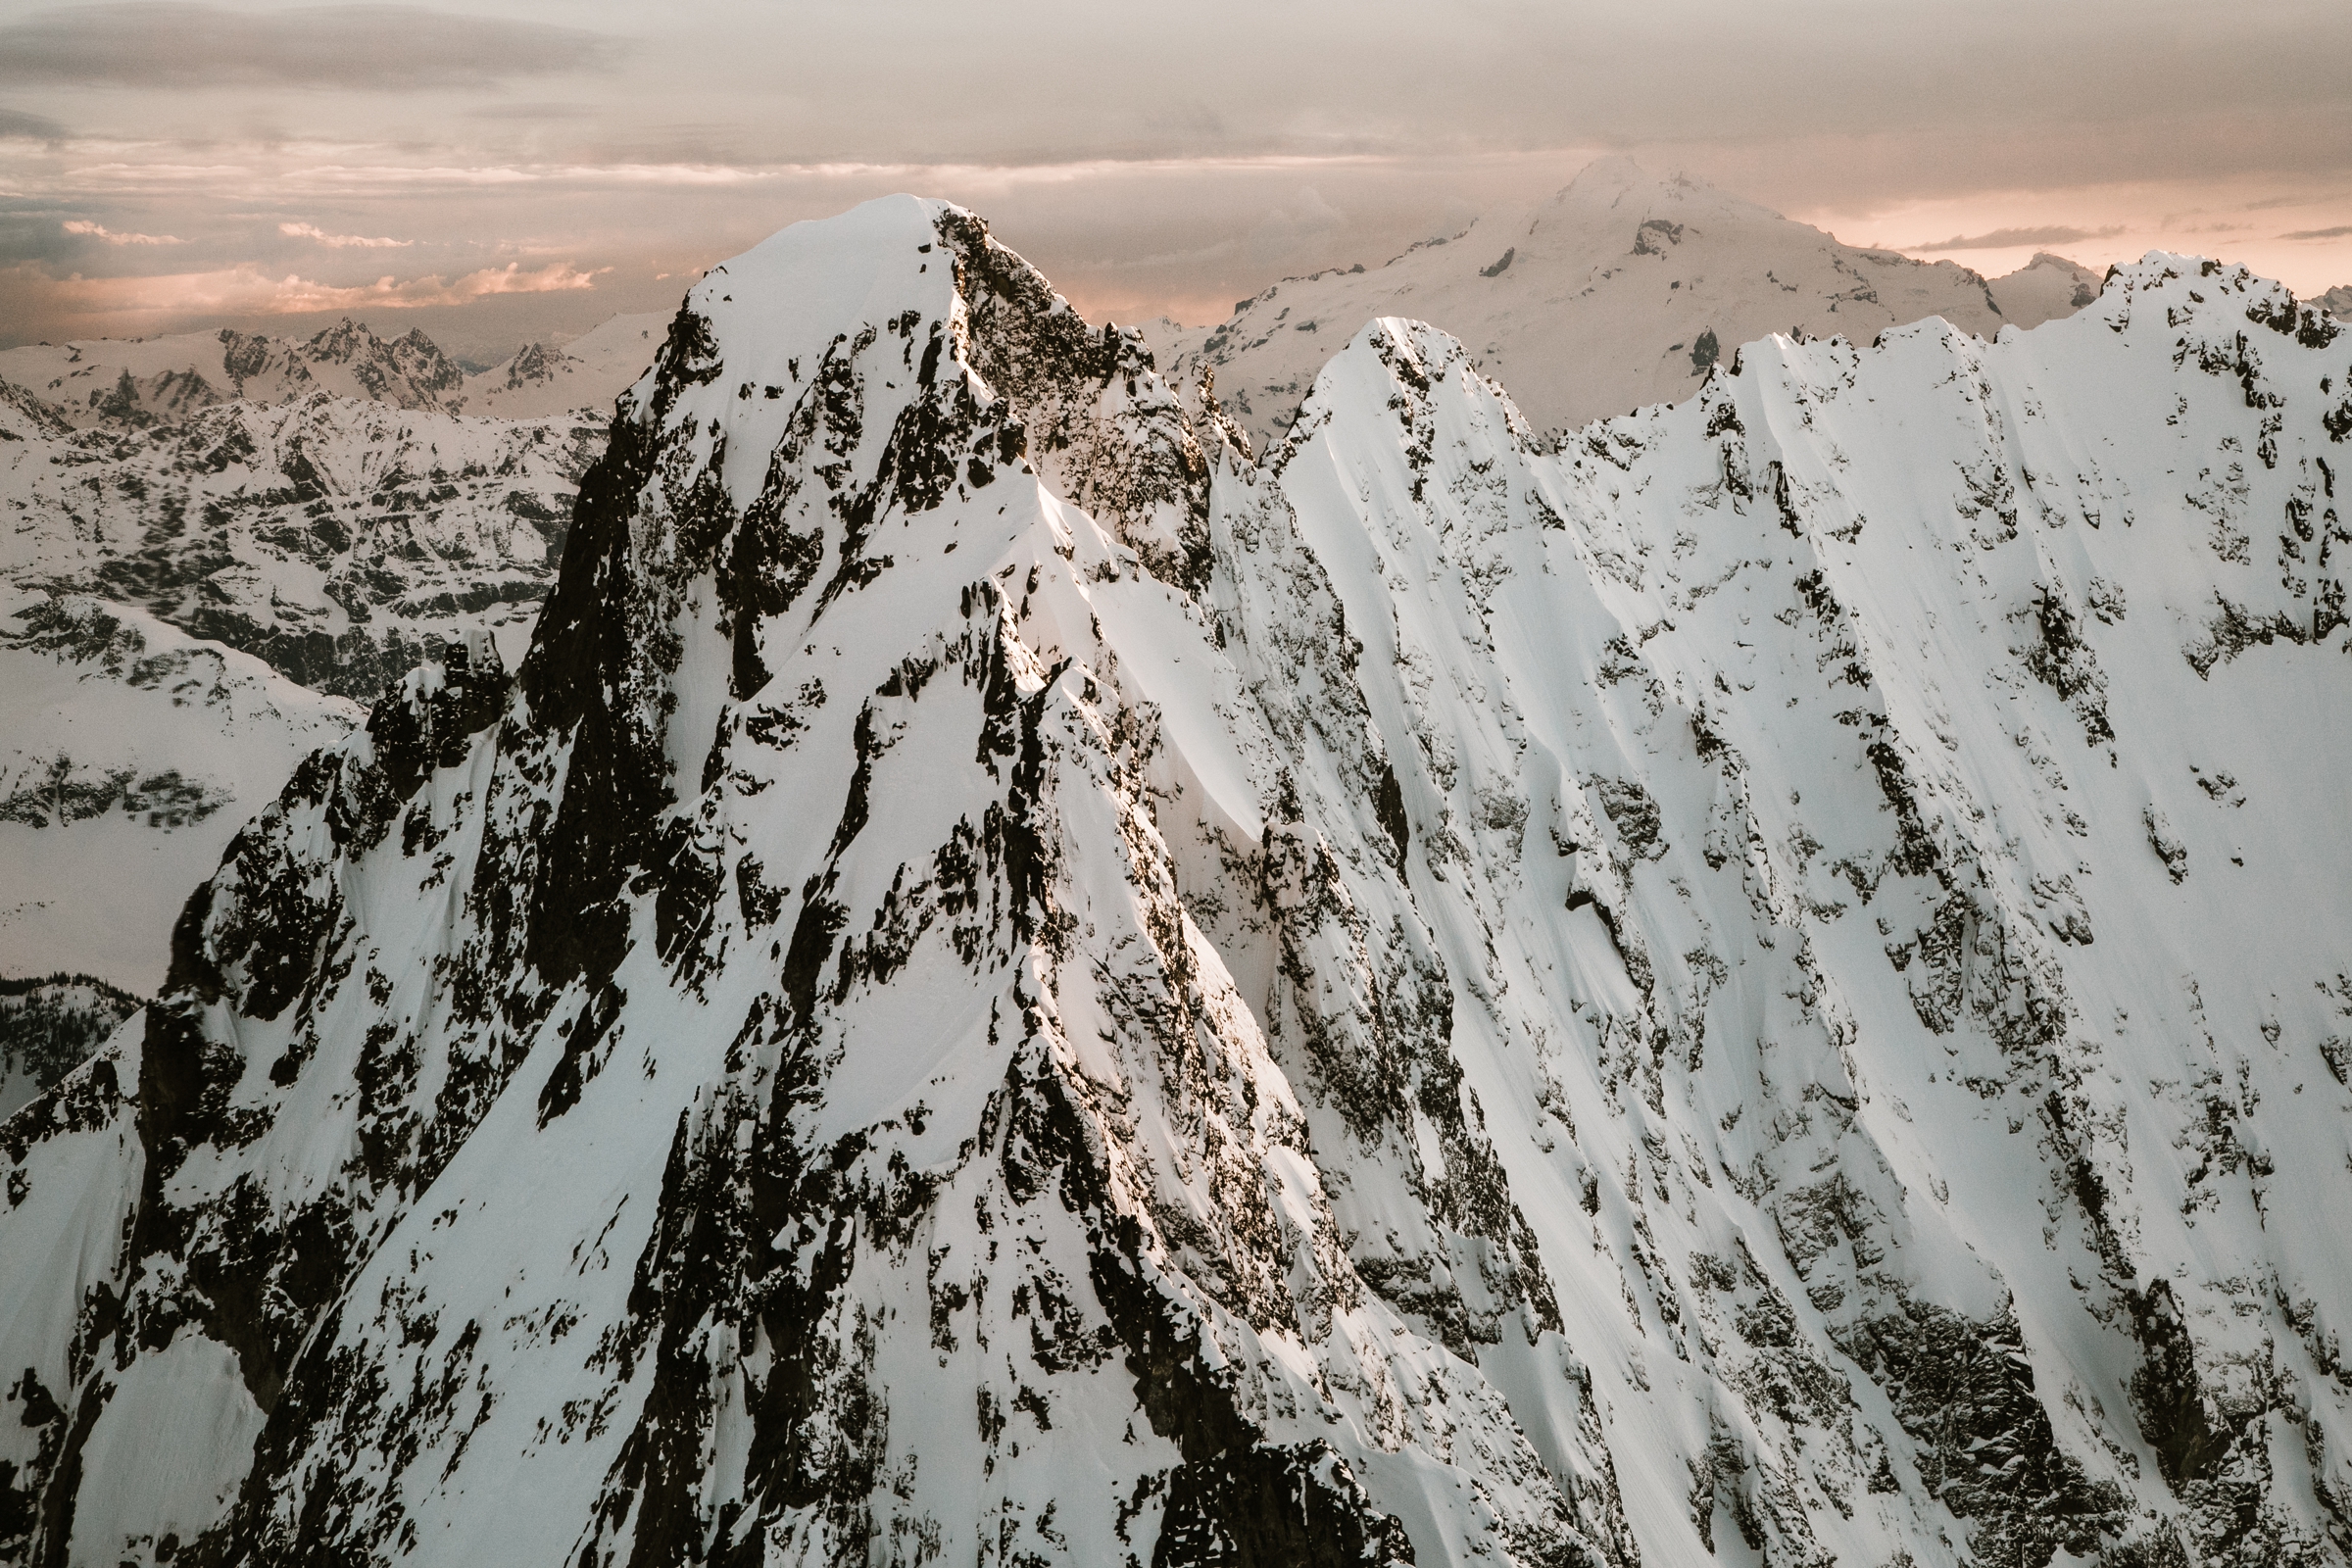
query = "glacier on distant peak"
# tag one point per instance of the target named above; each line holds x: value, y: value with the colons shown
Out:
x: 1622, y: 289
x: 1003, y: 982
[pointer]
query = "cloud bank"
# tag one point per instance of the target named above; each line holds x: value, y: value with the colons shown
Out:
x: 2009, y: 239
x: 84, y: 227
x: 1150, y: 161
x: 375, y: 48
x: 341, y: 242
x: 244, y: 291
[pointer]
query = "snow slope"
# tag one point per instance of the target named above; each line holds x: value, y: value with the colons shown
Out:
x: 130, y: 754
x: 1721, y: 988
x: 1617, y: 292
x: 588, y: 371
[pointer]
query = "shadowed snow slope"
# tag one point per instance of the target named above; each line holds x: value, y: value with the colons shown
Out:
x: 1002, y: 985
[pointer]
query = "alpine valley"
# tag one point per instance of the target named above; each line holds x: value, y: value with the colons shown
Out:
x: 1768, y: 981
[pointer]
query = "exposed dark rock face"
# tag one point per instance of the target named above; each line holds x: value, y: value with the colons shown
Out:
x: 1004, y: 983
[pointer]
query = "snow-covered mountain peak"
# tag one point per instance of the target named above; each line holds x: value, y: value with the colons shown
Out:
x: 1623, y: 289
x: 908, y: 326
x: 588, y: 371
x: 1618, y: 185
x: 993, y: 986
x: 2044, y: 289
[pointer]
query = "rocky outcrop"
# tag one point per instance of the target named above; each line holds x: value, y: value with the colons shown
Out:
x: 50, y: 1025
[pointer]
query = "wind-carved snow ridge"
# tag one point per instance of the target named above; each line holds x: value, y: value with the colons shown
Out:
x: 1005, y: 984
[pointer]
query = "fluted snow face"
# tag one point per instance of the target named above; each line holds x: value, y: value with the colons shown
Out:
x: 1000, y: 984
x: 1835, y: 801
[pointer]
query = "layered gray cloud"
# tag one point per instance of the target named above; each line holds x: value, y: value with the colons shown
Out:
x: 2009, y: 239
x: 18, y: 125
x: 382, y: 48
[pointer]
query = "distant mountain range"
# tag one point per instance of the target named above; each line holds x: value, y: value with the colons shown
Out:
x: 191, y: 602
x: 1622, y: 290
x: 136, y: 382
x: 1762, y: 981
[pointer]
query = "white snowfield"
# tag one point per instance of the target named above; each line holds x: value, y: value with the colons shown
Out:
x: 1620, y: 291
x: 1764, y: 984
x: 587, y: 373
x: 131, y: 756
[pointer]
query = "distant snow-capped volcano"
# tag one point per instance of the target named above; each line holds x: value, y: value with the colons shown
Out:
x: 1622, y: 290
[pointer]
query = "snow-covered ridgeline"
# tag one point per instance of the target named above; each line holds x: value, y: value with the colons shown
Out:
x: 326, y: 536
x: 1704, y: 991
x: 131, y: 383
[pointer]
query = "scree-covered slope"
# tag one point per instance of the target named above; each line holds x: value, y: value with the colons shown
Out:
x: 1004, y: 985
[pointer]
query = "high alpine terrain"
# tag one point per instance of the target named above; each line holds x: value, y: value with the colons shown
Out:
x: 188, y: 606
x: 1003, y: 984
x: 1623, y: 289
x: 49, y: 1026
x: 134, y: 382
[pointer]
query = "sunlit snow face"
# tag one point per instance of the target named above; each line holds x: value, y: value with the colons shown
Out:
x: 511, y: 169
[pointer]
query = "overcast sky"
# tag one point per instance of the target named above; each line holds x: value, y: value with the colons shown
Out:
x: 494, y: 171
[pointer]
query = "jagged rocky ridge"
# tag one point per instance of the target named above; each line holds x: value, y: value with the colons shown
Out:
x: 1766, y: 983
x: 328, y: 537
x: 136, y: 382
